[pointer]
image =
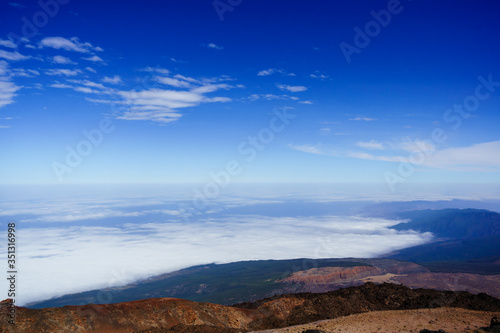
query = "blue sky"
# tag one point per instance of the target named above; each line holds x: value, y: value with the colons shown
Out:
x: 182, y: 92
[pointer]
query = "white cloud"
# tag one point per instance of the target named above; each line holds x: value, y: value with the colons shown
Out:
x: 210, y: 88
x: 291, y: 88
x: 161, y: 105
x: 159, y: 70
x: 477, y: 157
x: 319, y: 76
x: 7, y: 87
x: 306, y: 102
x: 178, y: 61
x: 61, y: 85
x: 90, y: 69
x: 173, y: 82
x: 25, y: 72
x: 363, y: 119
x: 7, y: 43
x: 267, y: 72
x: 270, y: 97
x: 14, y: 56
x: 65, y: 72
x: 113, y: 80
x: 186, y: 78
x: 371, y: 145
x: 62, y: 60
x: 271, y: 71
x: 89, y: 84
x: 366, y: 156
x: 485, y: 155
x: 93, y: 58
x: 310, y: 149
x: 72, y: 44
x: 85, y: 86
x: 162, y: 98
x: 213, y: 46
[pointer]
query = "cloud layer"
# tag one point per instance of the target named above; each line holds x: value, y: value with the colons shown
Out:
x: 71, y: 259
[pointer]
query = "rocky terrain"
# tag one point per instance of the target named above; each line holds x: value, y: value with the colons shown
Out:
x: 449, y: 320
x: 175, y: 315
x: 332, y: 275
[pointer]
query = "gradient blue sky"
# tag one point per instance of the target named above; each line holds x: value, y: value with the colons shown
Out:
x: 184, y: 89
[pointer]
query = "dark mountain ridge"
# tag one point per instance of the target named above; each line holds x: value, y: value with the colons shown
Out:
x: 452, y: 223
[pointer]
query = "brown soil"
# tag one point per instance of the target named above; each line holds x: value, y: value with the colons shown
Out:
x: 448, y: 319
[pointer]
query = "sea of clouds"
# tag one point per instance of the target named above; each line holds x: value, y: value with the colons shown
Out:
x: 79, y: 239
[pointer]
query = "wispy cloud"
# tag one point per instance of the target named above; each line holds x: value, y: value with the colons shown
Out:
x: 25, y: 72
x: 62, y: 60
x: 152, y: 104
x: 270, y: 71
x: 370, y: 145
x: 7, y: 43
x: 270, y: 97
x: 94, y: 58
x: 112, y: 80
x: 158, y: 70
x: 178, y: 61
x: 363, y: 119
x: 173, y: 82
x: 7, y: 87
x: 13, y: 56
x: 319, y: 76
x: 467, y: 158
x: 64, y: 72
x: 477, y: 157
x: 162, y: 105
x: 72, y: 44
x: 214, y: 46
x: 310, y: 149
x: 291, y: 88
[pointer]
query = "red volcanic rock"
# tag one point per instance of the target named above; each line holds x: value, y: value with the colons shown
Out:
x: 333, y: 275
x: 129, y: 317
x: 176, y: 315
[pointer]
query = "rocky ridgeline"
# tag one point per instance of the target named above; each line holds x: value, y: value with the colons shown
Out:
x: 175, y: 315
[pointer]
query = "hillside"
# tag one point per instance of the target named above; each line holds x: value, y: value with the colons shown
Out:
x: 243, y: 281
x: 168, y: 314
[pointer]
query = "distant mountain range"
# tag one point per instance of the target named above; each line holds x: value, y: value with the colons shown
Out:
x: 468, y: 240
x: 452, y: 223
